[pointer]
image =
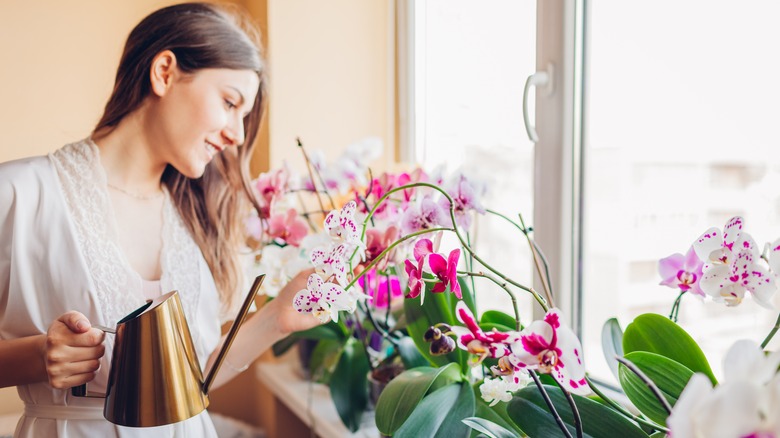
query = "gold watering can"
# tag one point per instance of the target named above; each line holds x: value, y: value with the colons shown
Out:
x: 155, y: 376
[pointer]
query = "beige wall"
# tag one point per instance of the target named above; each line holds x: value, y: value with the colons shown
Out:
x: 332, y: 74
x: 331, y: 67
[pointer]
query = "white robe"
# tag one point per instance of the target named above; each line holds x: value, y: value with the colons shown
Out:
x: 59, y: 252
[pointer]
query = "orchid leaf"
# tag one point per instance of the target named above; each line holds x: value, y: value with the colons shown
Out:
x: 410, y: 355
x: 612, y: 344
x: 349, y: 384
x: 496, y: 414
x: 669, y: 376
x: 402, y: 395
x: 330, y: 330
x: 498, y: 319
x: 489, y: 428
x: 440, y: 414
x: 466, y: 293
x: 324, y: 359
x: 658, y: 334
x: 530, y: 412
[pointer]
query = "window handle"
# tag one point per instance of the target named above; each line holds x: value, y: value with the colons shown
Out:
x: 542, y: 80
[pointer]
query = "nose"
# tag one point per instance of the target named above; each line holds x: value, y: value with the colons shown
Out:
x: 234, y: 131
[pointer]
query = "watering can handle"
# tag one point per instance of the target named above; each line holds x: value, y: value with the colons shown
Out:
x: 81, y: 390
x: 250, y: 297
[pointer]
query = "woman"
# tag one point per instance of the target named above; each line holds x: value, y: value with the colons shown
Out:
x: 151, y: 202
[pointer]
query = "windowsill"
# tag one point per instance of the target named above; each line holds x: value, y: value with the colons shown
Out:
x: 310, y: 402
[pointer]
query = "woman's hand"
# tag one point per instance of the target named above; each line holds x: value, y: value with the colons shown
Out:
x: 288, y: 319
x: 72, y: 350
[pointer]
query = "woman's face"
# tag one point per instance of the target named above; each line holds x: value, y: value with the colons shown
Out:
x: 200, y: 115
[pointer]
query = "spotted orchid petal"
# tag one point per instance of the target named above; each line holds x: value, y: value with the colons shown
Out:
x: 323, y: 300
x: 552, y: 348
x: 331, y: 262
x: 341, y: 224
x: 729, y: 283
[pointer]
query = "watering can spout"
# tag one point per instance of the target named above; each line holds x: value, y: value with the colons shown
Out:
x: 242, y: 313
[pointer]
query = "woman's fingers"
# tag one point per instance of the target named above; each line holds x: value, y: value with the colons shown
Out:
x: 75, y: 321
x: 72, y: 351
x: 72, y: 380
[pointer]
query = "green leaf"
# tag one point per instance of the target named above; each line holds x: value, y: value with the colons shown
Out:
x: 530, y: 412
x: 402, y: 395
x: 658, y: 334
x: 612, y: 344
x: 440, y: 414
x: 669, y: 376
x: 410, y: 355
x: 330, y: 330
x: 349, y: 384
x: 658, y: 434
x: 466, y: 293
x: 439, y: 307
x: 324, y: 359
x: 497, y: 318
x: 488, y: 428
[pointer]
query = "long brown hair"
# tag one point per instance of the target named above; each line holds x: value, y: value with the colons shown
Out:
x: 201, y: 35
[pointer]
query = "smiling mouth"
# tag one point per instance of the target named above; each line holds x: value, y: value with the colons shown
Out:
x: 211, y: 149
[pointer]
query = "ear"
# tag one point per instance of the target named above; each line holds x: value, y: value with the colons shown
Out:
x: 164, y: 70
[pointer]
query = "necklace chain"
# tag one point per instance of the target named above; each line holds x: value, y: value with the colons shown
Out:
x: 135, y: 195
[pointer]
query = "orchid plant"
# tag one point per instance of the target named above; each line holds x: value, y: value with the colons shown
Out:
x: 389, y: 292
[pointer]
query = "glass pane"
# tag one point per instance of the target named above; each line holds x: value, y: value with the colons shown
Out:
x: 681, y: 110
x: 471, y: 62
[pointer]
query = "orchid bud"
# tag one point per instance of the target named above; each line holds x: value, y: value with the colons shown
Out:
x: 432, y: 334
x: 443, y: 345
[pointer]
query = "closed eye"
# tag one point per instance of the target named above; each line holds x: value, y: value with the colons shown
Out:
x: 229, y: 104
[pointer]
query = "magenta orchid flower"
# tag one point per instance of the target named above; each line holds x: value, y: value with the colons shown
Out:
x: 472, y: 338
x: 288, y: 227
x: 323, y: 300
x: 552, y: 348
x: 446, y: 271
x: 331, y: 262
x: 682, y: 272
x: 341, y: 224
x: 377, y: 287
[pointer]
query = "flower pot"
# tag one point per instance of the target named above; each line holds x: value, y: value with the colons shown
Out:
x: 379, y: 377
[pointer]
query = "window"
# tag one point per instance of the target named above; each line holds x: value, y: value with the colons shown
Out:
x: 680, y: 108
x: 659, y: 126
x: 469, y: 62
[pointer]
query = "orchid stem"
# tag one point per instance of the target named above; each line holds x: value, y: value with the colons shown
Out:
x: 676, y: 307
x: 503, y: 286
x: 550, y: 405
x: 575, y: 412
x: 542, y: 276
x: 621, y: 409
x: 311, y: 176
x: 771, y: 333
x: 646, y: 380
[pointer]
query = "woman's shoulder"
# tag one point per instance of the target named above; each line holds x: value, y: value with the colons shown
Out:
x: 31, y: 169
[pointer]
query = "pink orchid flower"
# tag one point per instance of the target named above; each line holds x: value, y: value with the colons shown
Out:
x: 324, y: 300
x: 270, y: 187
x: 377, y: 287
x: 422, y: 216
x: 446, y: 271
x: 331, y: 262
x: 377, y: 241
x: 422, y: 249
x: 472, y: 338
x: 341, y: 224
x: 552, y: 348
x: 682, y: 272
x: 464, y: 194
x: 287, y: 227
